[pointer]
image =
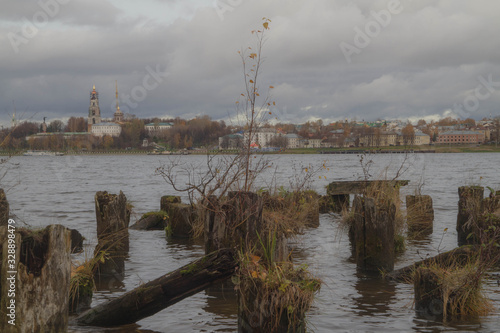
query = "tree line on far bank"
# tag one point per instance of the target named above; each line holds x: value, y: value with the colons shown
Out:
x: 185, y: 134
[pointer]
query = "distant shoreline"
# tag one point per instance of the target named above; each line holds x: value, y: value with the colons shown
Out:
x: 372, y: 150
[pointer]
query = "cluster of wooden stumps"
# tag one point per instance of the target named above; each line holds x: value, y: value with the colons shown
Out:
x: 442, y: 283
x: 43, y: 263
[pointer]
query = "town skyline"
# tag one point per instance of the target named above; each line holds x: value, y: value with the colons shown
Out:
x: 327, y: 60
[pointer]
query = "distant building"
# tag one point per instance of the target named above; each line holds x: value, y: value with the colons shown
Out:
x: 94, y: 116
x: 262, y: 137
x: 312, y: 143
x: 292, y: 141
x: 102, y: 129
x: 421, y: 139
x: 231, y: 141
x: 461, y: 137
x: 154, y: 128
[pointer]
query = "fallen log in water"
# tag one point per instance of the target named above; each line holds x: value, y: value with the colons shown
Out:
x: 162, y: 292
x: 459, y: 255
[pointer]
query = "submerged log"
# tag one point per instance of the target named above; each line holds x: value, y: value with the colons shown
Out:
x: 154, y: 296
x: 420, y: 214
x: 460, y: 255
x: 4, y: 208
x: 373, y: 235
x: 469, y: 210
x: 39, y: 278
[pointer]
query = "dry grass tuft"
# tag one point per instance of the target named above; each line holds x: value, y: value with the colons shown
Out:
x: 274, y: 295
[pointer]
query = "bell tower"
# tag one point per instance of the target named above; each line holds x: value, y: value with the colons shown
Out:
x: 94, y: 111
x: 118, y: 116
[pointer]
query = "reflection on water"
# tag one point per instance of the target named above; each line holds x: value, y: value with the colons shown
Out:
x: 375, y: 296
x: 346, y: 302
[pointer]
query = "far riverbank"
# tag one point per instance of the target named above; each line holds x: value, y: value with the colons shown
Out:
x: 487, y: 148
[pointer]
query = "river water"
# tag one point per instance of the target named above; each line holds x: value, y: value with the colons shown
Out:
x: 47, y: 190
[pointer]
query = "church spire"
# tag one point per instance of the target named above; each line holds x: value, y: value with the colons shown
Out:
x: 118, y: 116
x: 117, y: 106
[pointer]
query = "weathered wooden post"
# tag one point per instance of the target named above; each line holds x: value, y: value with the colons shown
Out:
x: 469, y: 211
x: 234, y: 223
x: 419, y: 214
x: 35, y: 284
x: 76, y: 241
x: 167, y: 200
x: 113, y: 217
x: 428, y: 294
x: 373, y: 234
x: 181, y: 218
x: 4, y: 208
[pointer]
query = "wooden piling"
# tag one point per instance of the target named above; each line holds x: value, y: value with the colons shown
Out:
x: 113, y: 218
x: 419, y: 214
x: 76, y: 241
x: 167, y: 200
x: 233, y: 223
x: 469, y: 211
x: 373, y: 234
x: 180, y: 220
x: 40, y: 279
x: 4, y: 208
x: 428, y: 294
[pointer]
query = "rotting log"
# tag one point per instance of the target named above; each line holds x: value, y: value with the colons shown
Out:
x: 40, y: 277
x: 4, y: 208
x: 373, y: 235
x: 113, y: 218
x: 420, y: 214
x: 469, y: 210
x: 460, y: 255
x: 156, y: 295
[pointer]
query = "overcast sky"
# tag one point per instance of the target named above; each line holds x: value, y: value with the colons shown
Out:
x: 328, y: 59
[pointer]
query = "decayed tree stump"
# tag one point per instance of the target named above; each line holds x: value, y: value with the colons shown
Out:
x: 428, y: 294
x: 469, y: 211
x: 373, y: 235
x: 40, y: 278
x: 181, y: 218
x: 167, y: 200
x: 162, y: 292
x: 420, y: 214
x: 113, y: 217
x: 76, y: 241
x: 233, y: 223
x: 4, y: 208
x: 151, y: 221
